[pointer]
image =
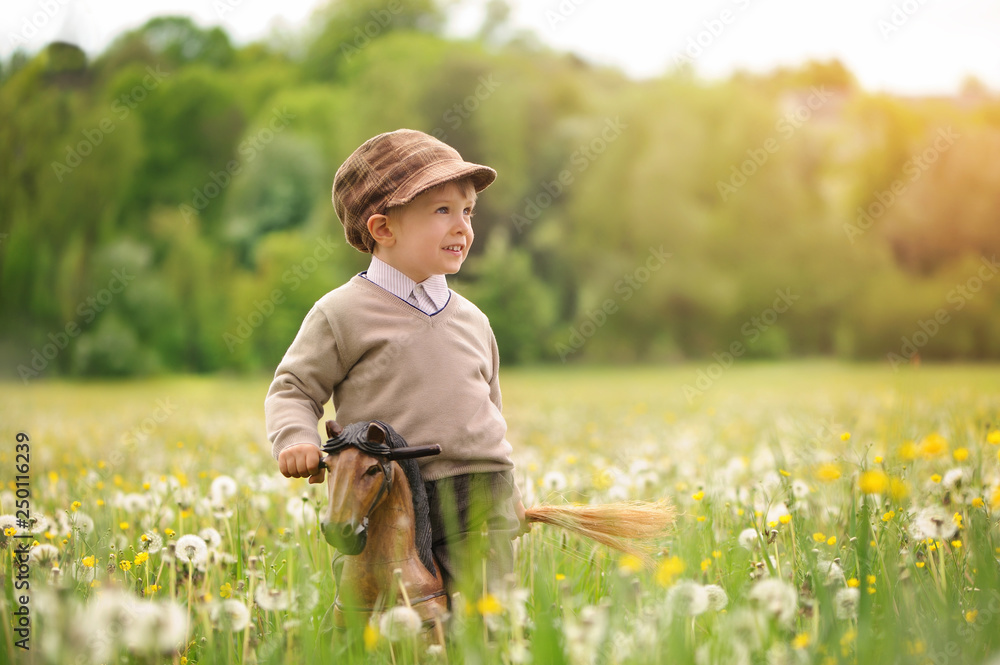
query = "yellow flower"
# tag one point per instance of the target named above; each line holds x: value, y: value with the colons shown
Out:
x: 370, y: 637
x: 151, y: 589
x: 226, y: 590
x: 936, y: 478
x: 828, y: 472
x: 994, y: 437
x: 785, y: 519
x: 141, y: 558
x: 819, y: 537
x: 846, y: 436
x: 125, y: 565
x: 9, y: 531
x: 716, y: 554
x: 898, y: 489
x: 908, y: 450
x: 488, y: 605
x: 957, y: 519
x: 560, y: 577
x: 854, y: 583
x: 957, y: 544
x: 978, y: 502
x: 668, y: 570
x: 871, y: 579
x: 123, y: 526
x: 970, y: 616
x: 888, y: 516
x: 786, y: 474
x: 873, y: 482
x: 933, y: 445
x: 832, y: 540
x: 698, y: 496
x: 169, y: 533
x: 73, y: 506
x: 705, y: 563
x: 629, y: 564
x: 89, y: 561
x: 960, y: 454
x: 879, y: 459
x: 701, y: 518
x: 920, y: 564
x: 100, y: 502
x: 801, y: 641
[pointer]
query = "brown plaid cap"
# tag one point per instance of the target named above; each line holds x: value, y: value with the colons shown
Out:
x: 392, y: 169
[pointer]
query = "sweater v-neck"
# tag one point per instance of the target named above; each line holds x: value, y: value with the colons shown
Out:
x: 395, y: 301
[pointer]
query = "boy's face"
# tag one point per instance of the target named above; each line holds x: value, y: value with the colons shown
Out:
x: 432, y: 234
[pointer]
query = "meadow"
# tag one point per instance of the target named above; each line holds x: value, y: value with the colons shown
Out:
x: 827, y: 513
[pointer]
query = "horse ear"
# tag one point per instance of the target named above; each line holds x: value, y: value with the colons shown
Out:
x: 333, y: 429
x: 377, y: 433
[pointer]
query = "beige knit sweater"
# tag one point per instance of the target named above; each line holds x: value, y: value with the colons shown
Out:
x: 435, y: 379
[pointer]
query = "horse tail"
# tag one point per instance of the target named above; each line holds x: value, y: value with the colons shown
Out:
x: 627, y: 526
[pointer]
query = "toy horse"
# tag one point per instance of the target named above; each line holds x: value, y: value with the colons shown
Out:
x: 378, y: 515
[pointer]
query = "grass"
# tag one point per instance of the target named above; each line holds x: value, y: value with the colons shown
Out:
x: 847, y: 513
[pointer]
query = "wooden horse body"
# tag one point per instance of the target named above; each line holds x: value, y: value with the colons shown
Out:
x: 367, y: 487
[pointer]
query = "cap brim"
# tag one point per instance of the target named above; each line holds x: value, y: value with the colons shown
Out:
x: 439, y: 173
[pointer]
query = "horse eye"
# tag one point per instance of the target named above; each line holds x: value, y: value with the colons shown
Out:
x: 372, y: 470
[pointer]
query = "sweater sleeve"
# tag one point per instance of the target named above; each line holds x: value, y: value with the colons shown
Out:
x: 495, y: 396
x: 303, y: 383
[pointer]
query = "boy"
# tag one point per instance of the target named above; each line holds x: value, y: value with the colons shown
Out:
x: 395, y: 344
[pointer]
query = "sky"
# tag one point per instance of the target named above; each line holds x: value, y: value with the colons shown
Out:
x: 909, y: 47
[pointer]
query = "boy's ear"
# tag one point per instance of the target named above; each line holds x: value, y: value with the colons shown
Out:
x: 380, y: 230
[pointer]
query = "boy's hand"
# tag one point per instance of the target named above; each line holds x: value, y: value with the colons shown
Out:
x: 302, y: 461
x: 525, y: 525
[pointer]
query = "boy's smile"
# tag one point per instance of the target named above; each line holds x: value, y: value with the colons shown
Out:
x: 431, y: 235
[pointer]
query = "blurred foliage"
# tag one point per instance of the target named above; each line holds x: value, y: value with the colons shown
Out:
x: 203, y: 170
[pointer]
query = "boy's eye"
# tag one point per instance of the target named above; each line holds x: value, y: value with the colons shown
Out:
x: 443, y: 209
x: 469, y: 211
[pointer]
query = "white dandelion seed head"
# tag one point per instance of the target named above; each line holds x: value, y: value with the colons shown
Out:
x: 152, y: 542
x: 271, y: 600
x: 223, y: 488
x: 554, y: 481
x: 771, y: 481
x: 230, y: 615
x: 81, y: 522
x: 211, y: 536
x: 776, y: 512
x: 191, y: 549
x: 220, y: 558
x: 845, y: 602
x: 933, y: 522
x: 186, y: 497
x: 301, y: 512
x: 953, y: 478
x: 618, y: 492
x: 156, y: 628
x: 106, y: 616
x: 800, y: 489
x: 717, y: 597
x: 775, y: 598
x: 830, y: 571
x: 746, y: 627
x: 399, y: 623
x: 39, y: 523
x: 135, y: 503
x: 43, y: 555
x: 688, y: 598
x: 164, y: 485
x: 748, y: 539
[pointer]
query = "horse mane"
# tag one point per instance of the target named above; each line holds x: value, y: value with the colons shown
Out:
x: 421, y: 507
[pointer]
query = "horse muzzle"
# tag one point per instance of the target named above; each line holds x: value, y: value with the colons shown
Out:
x: 348, y: 537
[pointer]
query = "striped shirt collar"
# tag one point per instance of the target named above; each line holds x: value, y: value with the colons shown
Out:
x: 435, y: 287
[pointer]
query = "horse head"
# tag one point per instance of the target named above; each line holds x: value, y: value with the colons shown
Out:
x: 360, y: 463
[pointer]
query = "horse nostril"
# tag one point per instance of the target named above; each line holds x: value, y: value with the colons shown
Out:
x: 347, y: 530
